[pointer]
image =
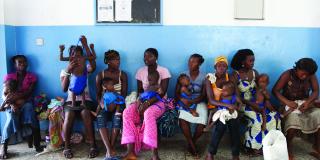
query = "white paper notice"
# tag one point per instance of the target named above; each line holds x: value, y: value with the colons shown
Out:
x: 105, y: 10
x: 123, y: 10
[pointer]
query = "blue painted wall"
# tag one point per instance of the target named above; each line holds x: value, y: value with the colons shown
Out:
x: 3, y: 56
x: 276, y: 48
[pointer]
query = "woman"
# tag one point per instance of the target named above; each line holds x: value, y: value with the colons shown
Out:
x: 298, y: 88
x: 213, y: 83
x: 84, y: 111
x: 23, y: 120
x: 185, y: 118
x: 112, y: 59
x: 133, y: 135
x: 244, y: 76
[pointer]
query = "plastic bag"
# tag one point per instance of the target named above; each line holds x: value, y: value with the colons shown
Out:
x: 275, y: 146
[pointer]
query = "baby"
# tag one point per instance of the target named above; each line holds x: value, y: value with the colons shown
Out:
x: 78, y: 79
x: 153, y: 91
x: 186, y: 93
x: 111, y: 101
x: 263, y: 98
x: 228, y: 96
x: 9, y: 88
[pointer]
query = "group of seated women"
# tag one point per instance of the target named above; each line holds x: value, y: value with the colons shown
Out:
x: 238, y: 101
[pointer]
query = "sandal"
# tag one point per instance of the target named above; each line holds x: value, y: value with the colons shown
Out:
x: 68, y: 153
x: 93, y: 153
x: 4, y: 154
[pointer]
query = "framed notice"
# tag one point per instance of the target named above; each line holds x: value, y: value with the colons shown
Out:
x: 128, y: 11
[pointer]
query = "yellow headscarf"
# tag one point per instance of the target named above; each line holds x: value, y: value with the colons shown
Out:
x: 220, y: 59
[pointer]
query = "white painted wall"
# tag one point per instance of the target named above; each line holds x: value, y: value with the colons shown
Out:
x: 1, y: 12
x: 287, y: 13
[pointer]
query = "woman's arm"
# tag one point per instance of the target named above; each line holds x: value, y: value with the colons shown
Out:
x: 98, y: 87
x: 140, y: 87
x: 164, y: 86
x: 177, y: 91
x: 12, y: 98
x: 314, y: 95
x: 278, y: 87
x: 211, y: 98
x: 124, y: 84
x: 201, y: 96
x: 65, y: 79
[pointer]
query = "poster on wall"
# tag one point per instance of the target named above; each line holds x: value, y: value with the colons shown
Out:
x: 123, y: 10
x: 249, y: 9
x: 128, y: 11
x: 105, y: 10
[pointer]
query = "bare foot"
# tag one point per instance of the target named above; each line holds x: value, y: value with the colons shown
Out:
x: 130, y: 156
x: 155, y: 157
x: 208, y: 127
x: 209, y: 156
x: 194, y: 113
x: 291, y: 157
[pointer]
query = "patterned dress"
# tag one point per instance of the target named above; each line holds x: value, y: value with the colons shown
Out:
x: 253, y: 134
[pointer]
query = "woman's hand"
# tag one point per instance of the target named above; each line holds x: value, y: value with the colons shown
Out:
x: 73, y: 64
x: 292, y: 104
x: 232, y: 107
x: 304, y: 106
x: 11, y: 98
x: 185, y: 101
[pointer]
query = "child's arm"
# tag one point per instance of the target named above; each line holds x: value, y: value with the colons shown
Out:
x: 92, y: 56
x: 61, y: 54
x: 92, y: 62
x: 184, y: 89
x: 259, y: 99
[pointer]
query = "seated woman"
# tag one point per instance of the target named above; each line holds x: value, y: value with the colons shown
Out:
x: 84, y: 111
x: 214, y: 88
x: 22, y: 119
x: 296, y: 85
x: 134, y: 135
x: 185, y: 117
x: 120, y: 86
x: 226, y: 117
x: 245, y: 77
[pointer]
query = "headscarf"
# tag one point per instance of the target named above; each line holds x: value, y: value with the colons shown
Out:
x: 220, y: 59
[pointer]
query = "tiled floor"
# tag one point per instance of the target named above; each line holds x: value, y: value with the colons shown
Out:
x: 170, y: 149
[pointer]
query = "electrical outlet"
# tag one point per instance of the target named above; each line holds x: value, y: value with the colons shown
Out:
x: 39, y: 41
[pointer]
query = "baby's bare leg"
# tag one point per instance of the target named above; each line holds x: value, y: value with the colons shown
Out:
x: 194, y: 113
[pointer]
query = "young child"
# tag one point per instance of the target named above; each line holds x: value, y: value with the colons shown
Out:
x: 186, y: 93
x: 72, y: 47
x: 153, y: 91
x: 263, y: 101
x: 9, y: 88
x: 78, y: 79
x: 229, y: 97
x: 111, y: 101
